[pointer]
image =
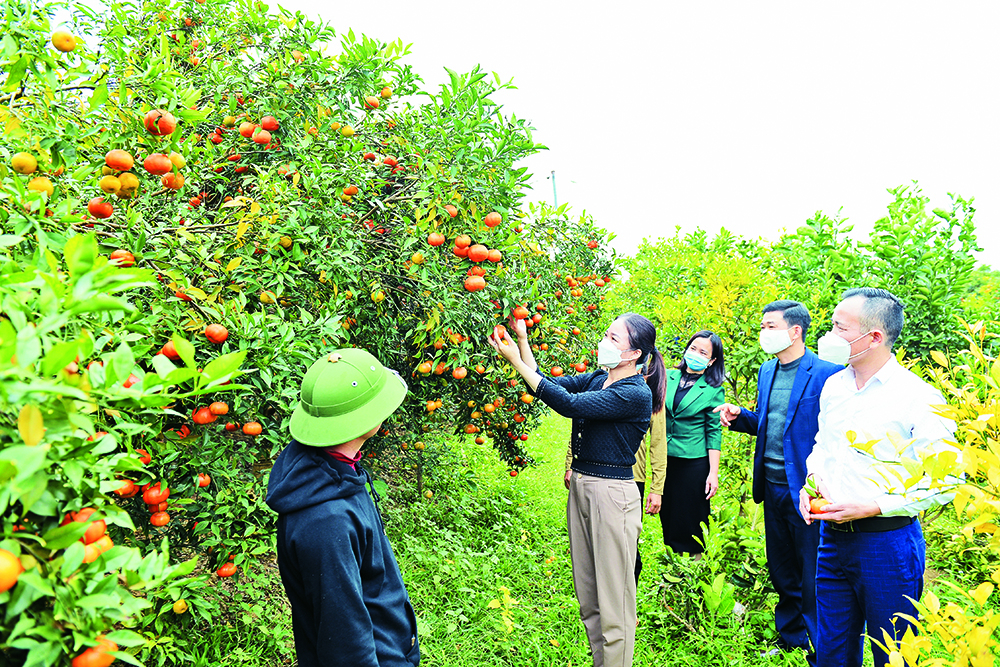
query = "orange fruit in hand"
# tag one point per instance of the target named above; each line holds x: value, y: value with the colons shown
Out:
x: 817, y: 505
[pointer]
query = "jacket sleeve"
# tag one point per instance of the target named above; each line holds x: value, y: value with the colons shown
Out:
x: 328, y: 559
x: 574, y: 384
x: 605, y: 405
x: 713, y: 427
x: 658, y: 451
x: 748, y: 421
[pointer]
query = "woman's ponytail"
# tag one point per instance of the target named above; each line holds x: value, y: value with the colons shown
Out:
x: 656, y: 378
x: 642, y: 336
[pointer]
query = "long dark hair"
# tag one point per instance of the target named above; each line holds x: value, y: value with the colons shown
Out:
x: 715, y: 374
x: 642, y: 337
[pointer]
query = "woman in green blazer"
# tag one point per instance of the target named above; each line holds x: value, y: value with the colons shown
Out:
x: 694, y: 441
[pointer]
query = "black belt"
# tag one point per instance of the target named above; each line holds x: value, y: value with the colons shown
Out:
x: 872, y: 524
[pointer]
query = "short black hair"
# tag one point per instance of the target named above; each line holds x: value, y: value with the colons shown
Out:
x: 715, y: 374
x: 793, y: 312
x: 881, y: 310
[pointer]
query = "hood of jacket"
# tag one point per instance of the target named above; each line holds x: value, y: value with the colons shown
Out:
x: 306, y: 476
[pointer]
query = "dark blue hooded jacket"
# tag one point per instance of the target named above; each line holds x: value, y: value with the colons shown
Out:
x: 349, y: 604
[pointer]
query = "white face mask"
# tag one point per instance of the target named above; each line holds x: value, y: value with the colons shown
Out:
x: 837, y: 350
x: 774, y: 341
x: 608, y: 355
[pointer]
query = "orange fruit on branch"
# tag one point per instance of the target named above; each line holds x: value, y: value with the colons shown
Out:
x: 10, y: 570
x: 109, y: 185
x: 478, y: 253
x: 252, y: 428
x: 492, y: 219
x: 435, y: 239
x: 157, y: 164
x: 216, y: 333
x: 97, y: 656
x: 63, y: 41
x: 219, y: 408
x: 24, y: 163
x: 203, y: 416
x: 159, y: 123
x: 99, y: 208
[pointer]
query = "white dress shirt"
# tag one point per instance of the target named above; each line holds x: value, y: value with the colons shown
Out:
x: 894, y: 408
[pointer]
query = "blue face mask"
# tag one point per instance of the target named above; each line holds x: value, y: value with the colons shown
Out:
x: 695, y: 361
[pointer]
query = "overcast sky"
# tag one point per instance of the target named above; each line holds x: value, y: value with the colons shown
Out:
x: 748, y: 115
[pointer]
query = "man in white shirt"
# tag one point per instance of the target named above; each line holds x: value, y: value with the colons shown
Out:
x: 873, y: 415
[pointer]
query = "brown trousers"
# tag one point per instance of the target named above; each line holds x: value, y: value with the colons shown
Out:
x: 605, y: 518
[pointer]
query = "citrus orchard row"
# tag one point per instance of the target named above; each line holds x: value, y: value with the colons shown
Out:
x: 198, y: 201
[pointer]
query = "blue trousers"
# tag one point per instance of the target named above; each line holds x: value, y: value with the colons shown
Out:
x: 864, y: 579
x: 791, y: 562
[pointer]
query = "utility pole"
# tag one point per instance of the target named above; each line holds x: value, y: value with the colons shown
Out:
x: 555, y: 202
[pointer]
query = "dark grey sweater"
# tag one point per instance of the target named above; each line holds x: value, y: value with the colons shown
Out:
x: 777, y: 411
x: 608, y: 424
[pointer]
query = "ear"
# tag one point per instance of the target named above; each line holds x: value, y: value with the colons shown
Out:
x: 878, y: 337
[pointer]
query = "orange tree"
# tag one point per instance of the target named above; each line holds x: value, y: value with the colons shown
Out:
x: 196, y: 202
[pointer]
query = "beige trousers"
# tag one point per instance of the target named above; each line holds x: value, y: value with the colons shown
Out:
x: 604, y: 518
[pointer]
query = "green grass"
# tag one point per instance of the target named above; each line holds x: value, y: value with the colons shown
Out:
x: 483, y: 531
x: 458, y: 550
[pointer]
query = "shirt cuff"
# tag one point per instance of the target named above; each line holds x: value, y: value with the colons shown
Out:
x: 537, y: 393
x: 892, y: 505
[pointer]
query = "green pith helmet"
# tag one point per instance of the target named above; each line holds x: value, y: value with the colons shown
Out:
x: 344, y: 395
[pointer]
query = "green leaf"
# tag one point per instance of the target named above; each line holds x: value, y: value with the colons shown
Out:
x: 72, y: 558
x: 126, y: 638
x: 8, y: 240
x: 63, y: 536
x: 15, y: 73
x: 80, y: 253
x: 184, y: 349
x: 224, y: 365
x: 99, y: 96
x: 100, y: 303
x: 59, y: 356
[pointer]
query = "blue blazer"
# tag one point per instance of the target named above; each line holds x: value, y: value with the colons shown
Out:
x: 800, y: 422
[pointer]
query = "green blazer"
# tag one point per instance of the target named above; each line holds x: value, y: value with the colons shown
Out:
x: 693, y: 428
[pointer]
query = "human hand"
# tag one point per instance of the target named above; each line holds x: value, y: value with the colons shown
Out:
x: 711, y: 485
x: 521, y: 329
x: 804, y: 499
x: 500, y: 341
x: 653, y: 503
x: 841, y: 512
x: 566, y: 478
x: 728, y: 412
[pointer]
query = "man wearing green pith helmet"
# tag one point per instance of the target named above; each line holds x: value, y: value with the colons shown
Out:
x: 349, y: 604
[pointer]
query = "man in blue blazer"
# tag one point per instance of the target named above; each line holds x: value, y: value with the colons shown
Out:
x: 785, y: 423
